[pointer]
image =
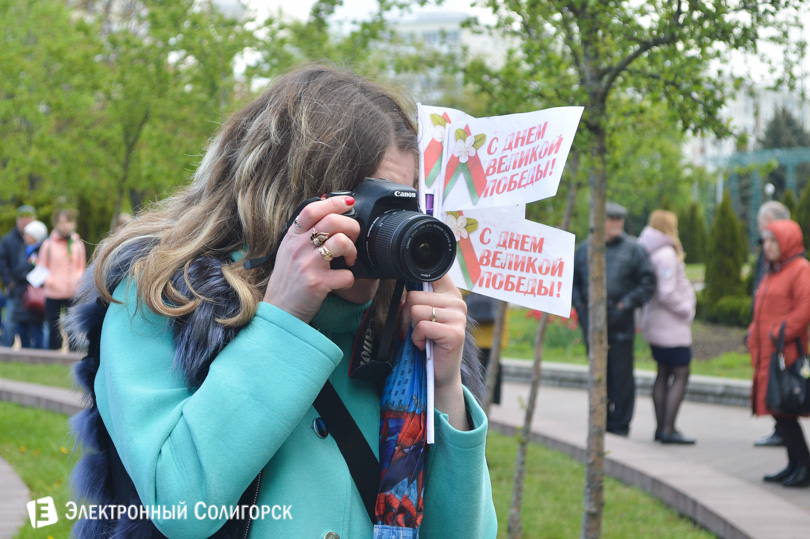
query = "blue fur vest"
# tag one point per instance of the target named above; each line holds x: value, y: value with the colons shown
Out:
x: 99, y: 476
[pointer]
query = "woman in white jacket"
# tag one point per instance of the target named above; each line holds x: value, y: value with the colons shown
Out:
x: 667, y: 321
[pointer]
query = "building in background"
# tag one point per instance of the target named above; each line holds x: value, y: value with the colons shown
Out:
x: 748, y: 113
x: 443, y: 31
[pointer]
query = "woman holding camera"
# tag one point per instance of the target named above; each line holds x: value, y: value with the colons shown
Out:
x: 208, y: 370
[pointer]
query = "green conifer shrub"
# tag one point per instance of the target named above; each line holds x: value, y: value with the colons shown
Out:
x: 789, y: 200
x: 725, y: 255
x: 692, y: 231
x: 731, y: 311
x: 802, y: 215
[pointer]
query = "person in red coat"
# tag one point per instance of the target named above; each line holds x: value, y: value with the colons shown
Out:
x: 783, y: 297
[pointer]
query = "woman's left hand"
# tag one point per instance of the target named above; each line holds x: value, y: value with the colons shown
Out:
x: 441, y: 316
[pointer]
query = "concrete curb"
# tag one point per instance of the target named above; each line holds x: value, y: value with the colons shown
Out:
x: 708, y: 389
x: 55, y: 399
x: 27, y: 355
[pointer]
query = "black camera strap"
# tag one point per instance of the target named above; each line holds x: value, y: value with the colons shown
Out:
x: 373, y: 350
x: 271, y: 257
x: 363, y: 465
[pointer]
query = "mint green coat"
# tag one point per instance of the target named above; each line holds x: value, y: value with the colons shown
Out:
x: 254, y: 410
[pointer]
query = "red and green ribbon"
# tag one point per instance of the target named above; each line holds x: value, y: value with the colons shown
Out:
x: 472, y: 170
x: 433, y: 152
x: 465, y: 254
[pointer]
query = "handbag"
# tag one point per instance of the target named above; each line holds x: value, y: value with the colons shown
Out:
x: 33, y: 299
x: 788, y: 391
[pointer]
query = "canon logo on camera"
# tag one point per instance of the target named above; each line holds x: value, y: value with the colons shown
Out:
x: 404, y: 194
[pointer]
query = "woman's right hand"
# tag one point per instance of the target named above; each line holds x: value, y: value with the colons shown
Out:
x: 302, y: 276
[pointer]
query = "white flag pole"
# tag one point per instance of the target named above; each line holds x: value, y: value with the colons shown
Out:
x: 429, y: 374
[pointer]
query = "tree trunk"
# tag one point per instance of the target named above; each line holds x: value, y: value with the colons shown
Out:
x: 130, y: 145
x: 515, y: 521
x: 494, y: 363
x: 597, y: 343
x: 515, y: 527
x: 136, y: 200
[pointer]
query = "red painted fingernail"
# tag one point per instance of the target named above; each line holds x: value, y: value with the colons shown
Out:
x: 349, y: 201
x: 323, y: 196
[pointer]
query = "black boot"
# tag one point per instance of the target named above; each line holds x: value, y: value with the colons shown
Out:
x: 799, y: 478
x: 780, y: 476
x: 798, y: 452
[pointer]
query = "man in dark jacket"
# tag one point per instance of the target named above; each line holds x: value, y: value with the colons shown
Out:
x: 12, y: 248
x: 630, y: 284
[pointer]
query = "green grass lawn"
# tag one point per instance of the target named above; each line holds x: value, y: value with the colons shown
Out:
x: 41, y: 373
x: 37, y: 445
x: 696, y: 272
x: 564, y: 344
x: 553, y: 498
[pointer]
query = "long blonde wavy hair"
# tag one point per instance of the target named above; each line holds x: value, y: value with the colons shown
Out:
x: 667, y: 222
x: 315, y: 130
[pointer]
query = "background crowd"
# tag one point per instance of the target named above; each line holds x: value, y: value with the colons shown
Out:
x: 649, y: 274
x: 39, y: 273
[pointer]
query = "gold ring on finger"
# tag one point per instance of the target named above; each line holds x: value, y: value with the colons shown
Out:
x: 325, y: 253
x: 317, y: 238
x: 433, y: 314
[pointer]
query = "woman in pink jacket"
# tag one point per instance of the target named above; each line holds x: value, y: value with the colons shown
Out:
x: 64, y: 255
x: 667, y: 322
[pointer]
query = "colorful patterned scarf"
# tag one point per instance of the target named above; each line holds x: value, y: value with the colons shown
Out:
x: 403, y: 449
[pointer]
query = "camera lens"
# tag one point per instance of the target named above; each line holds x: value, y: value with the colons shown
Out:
x: 410, y: 245
x: 423, y: 250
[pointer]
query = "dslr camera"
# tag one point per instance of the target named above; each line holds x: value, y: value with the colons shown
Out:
x: 396, y: 240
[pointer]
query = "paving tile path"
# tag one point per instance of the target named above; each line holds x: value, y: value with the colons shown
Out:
x: 717, y: 482
x: 13, y: 497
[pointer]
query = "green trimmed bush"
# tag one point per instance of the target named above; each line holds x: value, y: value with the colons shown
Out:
x: 789, y: 200
x: 725, y: 255
x: 731, y: 311
x: 701, y: 310
x: 745, y: 246
x: 802, y: 215
x: 692, y: 231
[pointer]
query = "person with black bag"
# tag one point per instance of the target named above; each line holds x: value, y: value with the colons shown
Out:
x: 780, y: 320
